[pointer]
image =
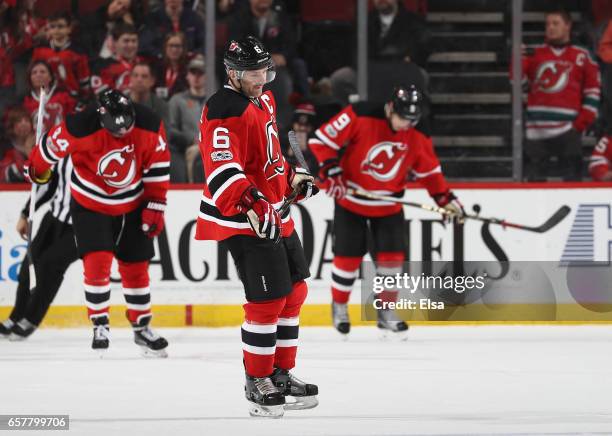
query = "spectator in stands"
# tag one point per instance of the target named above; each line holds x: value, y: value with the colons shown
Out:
x: 172, y: 69
x: 604, y: 51
x: 96, y: 29
x: 269, y: 23
x: 396, y: 37
x: 58, y: 103
x: 173, y: 17
x: 7, y: 73
x: 303, y: 124
x: 115, y: 72
x: 19, y: 142
x: 185, y: 113
x: 599, y: 165
x: 563, y: 98
x: 142, y: 81
x: 68, y: 61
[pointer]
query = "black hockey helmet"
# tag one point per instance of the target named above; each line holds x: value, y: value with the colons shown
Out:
x: 116, y: 111
x: 407, y: 102
x: 248, y: 54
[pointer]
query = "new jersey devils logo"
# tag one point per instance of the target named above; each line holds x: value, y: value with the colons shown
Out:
x: 118, y: 167
x: 384, y: 160
x: 275, y: 165
x: 552, y: 76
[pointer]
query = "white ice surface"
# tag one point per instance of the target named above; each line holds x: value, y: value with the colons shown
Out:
x: 444, y: 380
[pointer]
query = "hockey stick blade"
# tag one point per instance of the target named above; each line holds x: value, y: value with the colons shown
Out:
x: 297, y: 151
x: 551, y: 222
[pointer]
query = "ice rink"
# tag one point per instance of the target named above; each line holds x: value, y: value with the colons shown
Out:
x: 512, y: 380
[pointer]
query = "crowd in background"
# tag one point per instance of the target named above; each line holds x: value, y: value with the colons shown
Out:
x: 153, y: 50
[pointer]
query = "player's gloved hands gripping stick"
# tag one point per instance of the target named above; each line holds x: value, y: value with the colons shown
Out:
x: 302, y: 182
x: 261, y: 215
x: 153, y: 218
x: 449, y: 202
x: 330, y: 174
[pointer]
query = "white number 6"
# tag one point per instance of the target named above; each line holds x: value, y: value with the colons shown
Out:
x: 221, y: 138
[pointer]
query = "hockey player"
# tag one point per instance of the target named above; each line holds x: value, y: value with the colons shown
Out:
x: 53, y: 250
x: 119, y: 183
x: 599, y: 165
x: 247, y: 181
x: 376, y: 149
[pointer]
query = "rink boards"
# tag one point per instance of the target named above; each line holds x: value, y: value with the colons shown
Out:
x: 195, y: 283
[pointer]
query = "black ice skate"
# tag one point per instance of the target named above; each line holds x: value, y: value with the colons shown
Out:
x: 303, y: 395
x: 5, y: 328
x: 21, y: 330
x: 341, y: 318
x: 265, y: 399
x: 389, y: 322
x: 151, y: 344
x: 101, y: 333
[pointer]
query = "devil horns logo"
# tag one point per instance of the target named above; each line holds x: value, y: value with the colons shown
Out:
x: 118, y: 167
x: 384, y: 160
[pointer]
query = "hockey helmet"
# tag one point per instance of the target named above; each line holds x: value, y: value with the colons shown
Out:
x: 116, y: 112
x: 407, y: 103
x: 248, y: 54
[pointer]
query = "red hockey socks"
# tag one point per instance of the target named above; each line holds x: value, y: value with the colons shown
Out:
x: 259, y: 336
x: 288, y: 327
x: 97, y: 268
x: 389, y: 264
x: 135, y: 281
x: 344, y: 273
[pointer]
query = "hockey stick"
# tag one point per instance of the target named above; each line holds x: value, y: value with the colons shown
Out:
x: 551, y: 222
x: 297, y: 152
x: 32, y: 210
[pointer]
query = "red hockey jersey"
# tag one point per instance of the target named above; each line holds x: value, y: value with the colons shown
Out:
x: 111, y: 175
x: 375, y: 158
x: 69, y: 64
x: 112, y: 73
x: 240, y: 147
x: 564, y: 90
x: 600, y: 160
x: 58, y: 105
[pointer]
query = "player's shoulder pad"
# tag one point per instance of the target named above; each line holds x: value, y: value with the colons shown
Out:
x: 226, y: 103
x: 146, y: 119
x: 369, y: 109
x: 84, y: 123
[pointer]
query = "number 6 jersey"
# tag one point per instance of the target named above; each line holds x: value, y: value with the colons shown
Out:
x: 111, y: 175
x: 240, y: 147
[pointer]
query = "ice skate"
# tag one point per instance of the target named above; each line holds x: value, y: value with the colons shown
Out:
x: 265, y: 399
x: 5, y: 328
x: 101, y: 332
x: 151, y: 344
x: 303, y: 395
x: 389, y: 322
x: 341, y: 318
x: 21, y: 330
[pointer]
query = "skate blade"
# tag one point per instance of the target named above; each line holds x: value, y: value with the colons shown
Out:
x: 100, y: 353
x: 153, y: 354
x: 16, y: 338
x: 301, y: 403
x: 261, y: 411
x: 389, y: 335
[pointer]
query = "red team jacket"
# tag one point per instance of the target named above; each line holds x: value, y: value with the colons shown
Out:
x: 69, y: 64
x: 375, y: 158
x: 112, y: 176
x: 112, y: 73
x: 58, y: 105
x: 600, y: 159
x: 564, y: 90
x: 240, y: 147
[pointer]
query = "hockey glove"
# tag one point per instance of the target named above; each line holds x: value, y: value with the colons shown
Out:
x: 330, y: 174
x: 301, y: 179
x: 450, y: 203
x: 31, y: 177
x: 261, y: 215
x: 153, y: 218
